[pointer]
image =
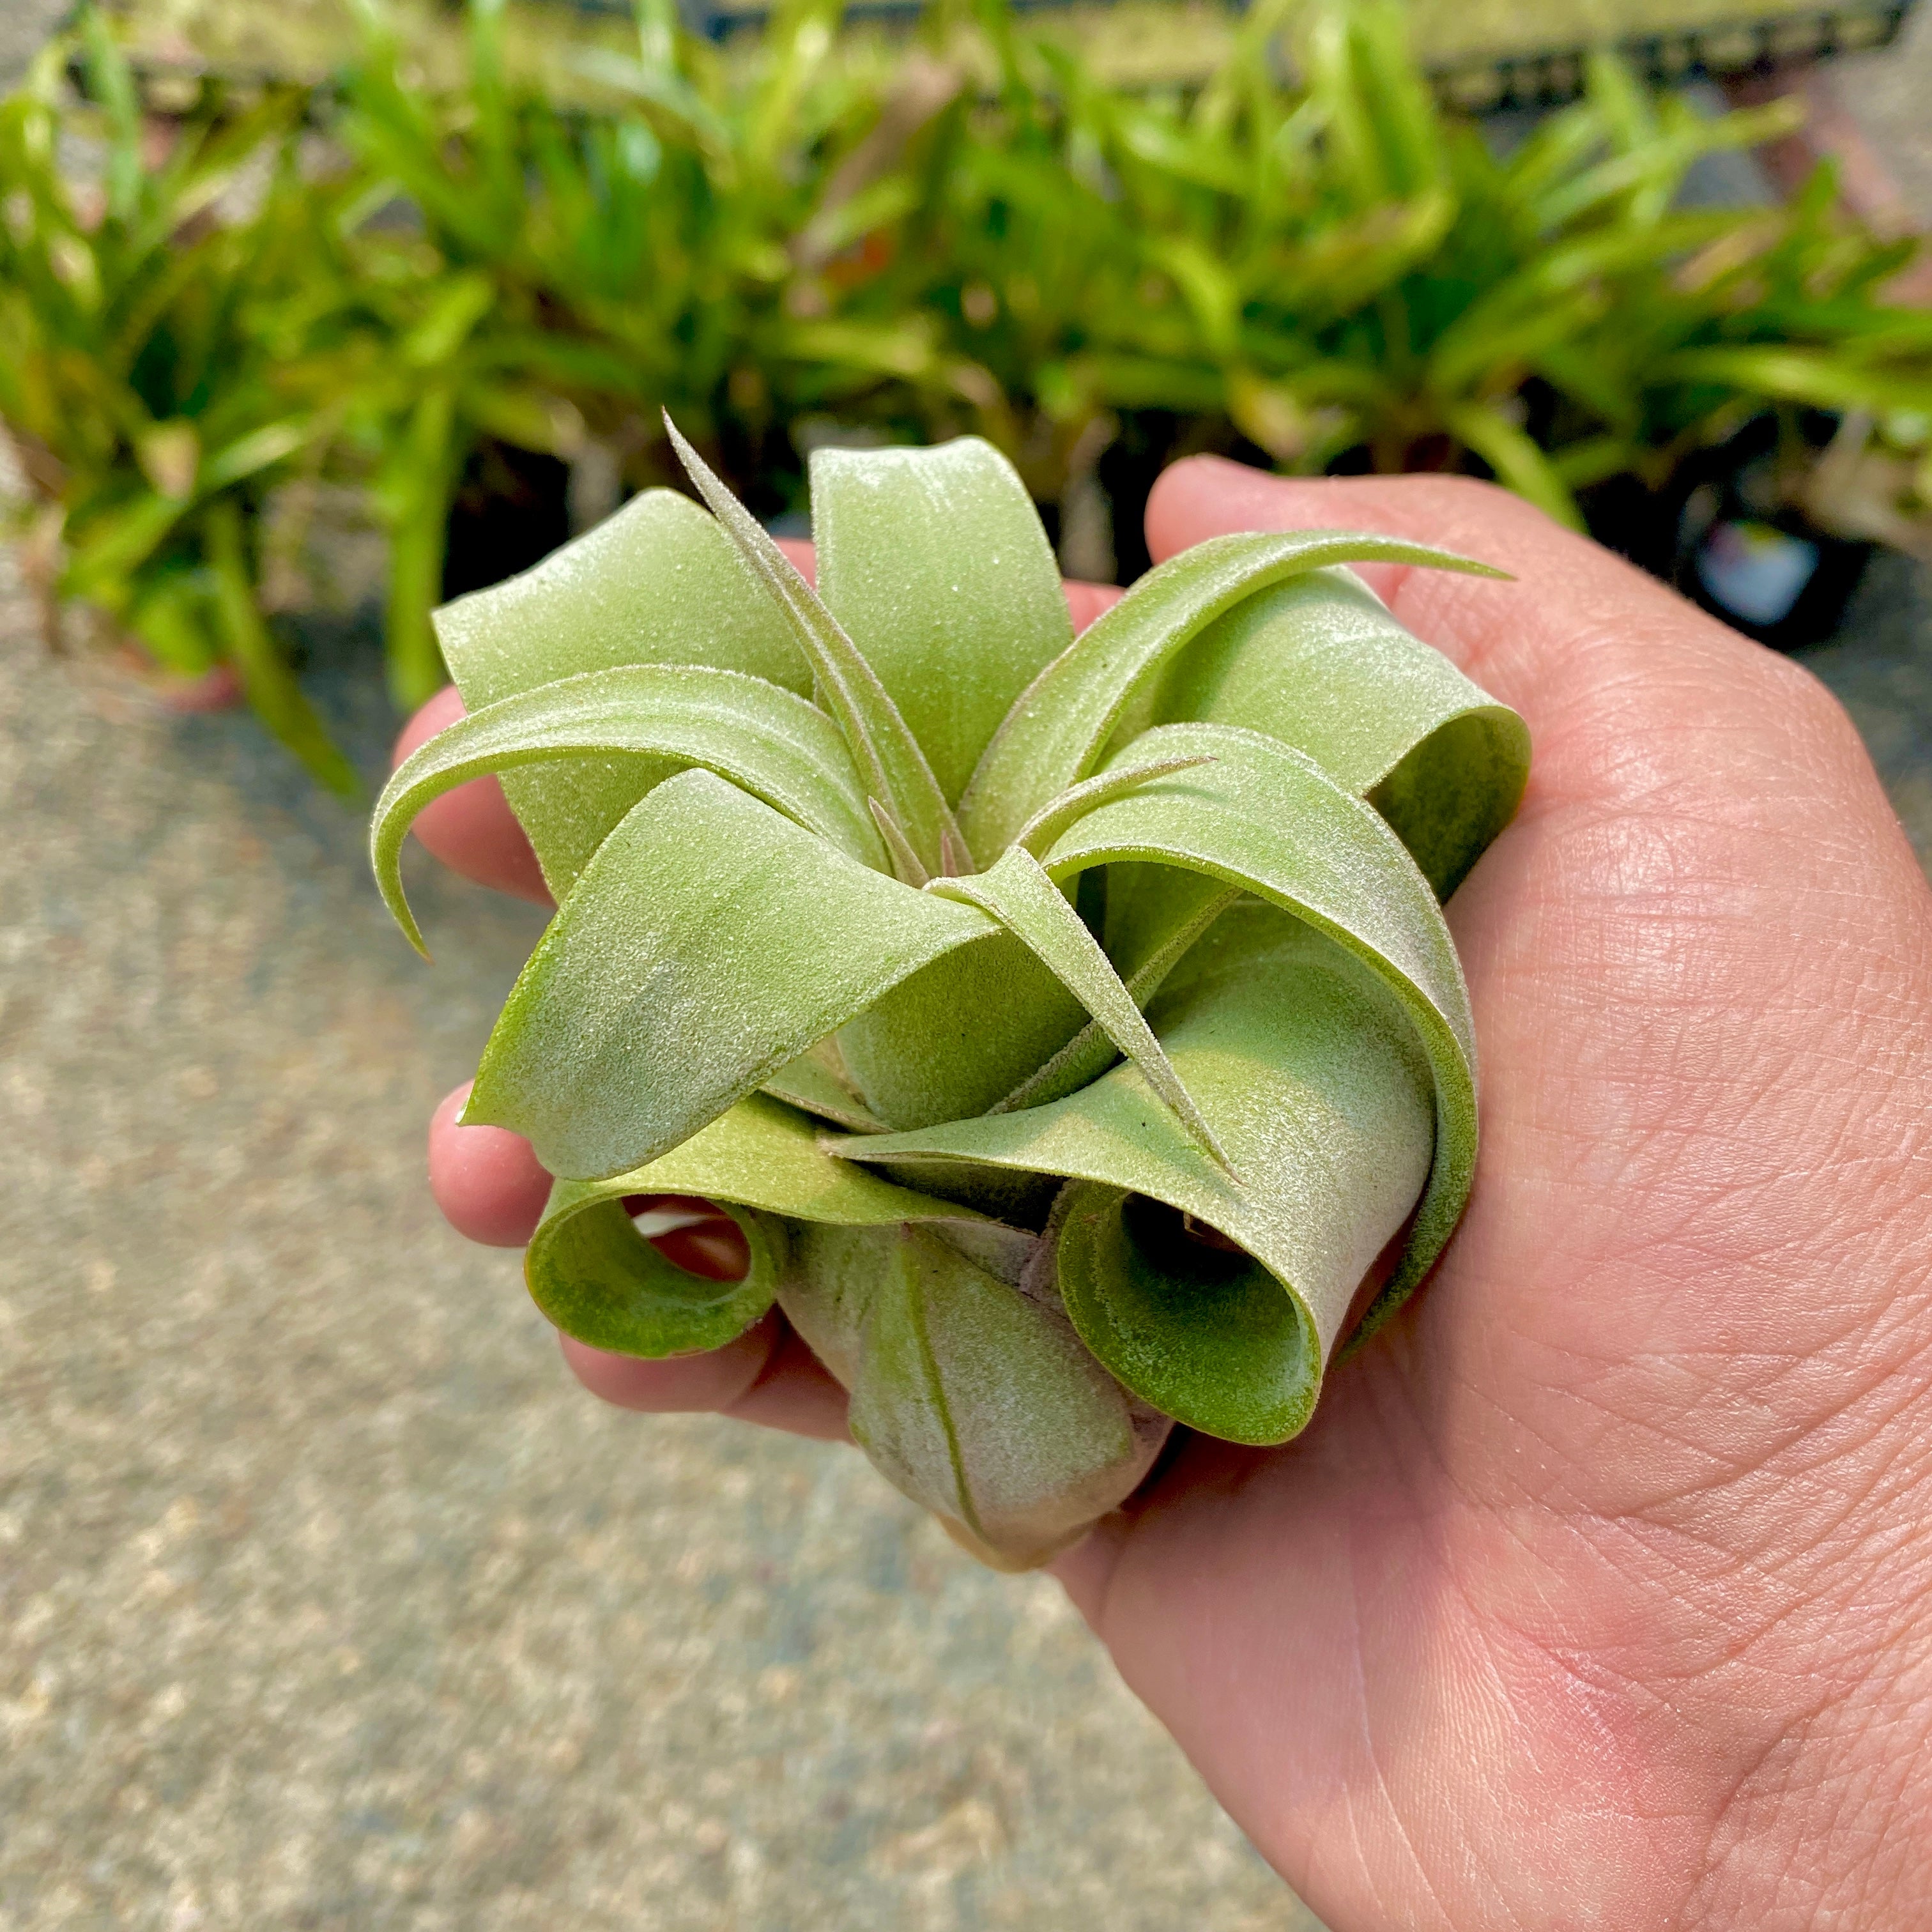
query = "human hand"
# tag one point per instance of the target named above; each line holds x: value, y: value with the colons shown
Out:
x: 1599, y: 1590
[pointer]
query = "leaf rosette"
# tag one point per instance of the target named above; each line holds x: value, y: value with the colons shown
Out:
x: 1069, y: 1025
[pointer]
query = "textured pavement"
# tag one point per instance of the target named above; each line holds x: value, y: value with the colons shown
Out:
x: 1888, y: 93
x: 326, y: 1600
x: 1880, y: 666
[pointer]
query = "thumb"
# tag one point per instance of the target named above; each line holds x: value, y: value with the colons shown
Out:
x: 1575, y: 614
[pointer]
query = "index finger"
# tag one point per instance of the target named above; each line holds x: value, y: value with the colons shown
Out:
x: 1601, y: 659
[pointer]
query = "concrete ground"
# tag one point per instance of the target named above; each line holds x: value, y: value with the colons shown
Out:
x: 1880, y: 666
x: 1889, y: 94
x: 327, y: 1600
x: 24, y: 27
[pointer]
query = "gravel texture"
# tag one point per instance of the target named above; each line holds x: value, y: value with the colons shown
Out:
x: 24, y: 26
x: 1880, y: 666
x: 1889, y: 93
x: 326, y: 1600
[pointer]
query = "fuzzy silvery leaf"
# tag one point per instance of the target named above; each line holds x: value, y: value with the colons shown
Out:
x: 596, y: 1278
x: 659, y: 582
x: 890, y: 759
x: 816, y: 1082
x: 1062, y: 722
x: 955, y: 632
x: 766, y: 740
x: 1318, y: 1088
x: 976, y: 1398
x: 1265, y: 818
x: 1319, y: 662
x: 979, y: 1398
x: 1018, y: 891
x: 689, y: 962
x: 1096, y: 1108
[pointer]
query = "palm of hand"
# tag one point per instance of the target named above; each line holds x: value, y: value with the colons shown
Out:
x: 1576, y: 1576
x: 1588, y: 1598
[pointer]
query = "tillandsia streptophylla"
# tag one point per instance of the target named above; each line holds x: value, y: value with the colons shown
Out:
x: 1069, y: 1025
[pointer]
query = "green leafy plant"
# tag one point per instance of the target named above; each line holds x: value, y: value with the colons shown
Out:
x: 974, y: 235
x: 566, y: 275
x: 1069, y: 1024
x: 1874, y: 481
x: 827, y: 235
x: 1333, y: 270
x: 148, y: 375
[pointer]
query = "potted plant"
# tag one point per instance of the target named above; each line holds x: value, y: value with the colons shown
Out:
x: 149, y: 378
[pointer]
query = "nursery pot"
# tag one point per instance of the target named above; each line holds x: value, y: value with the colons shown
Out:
x: 1726, y: 531
x: 511, y: 510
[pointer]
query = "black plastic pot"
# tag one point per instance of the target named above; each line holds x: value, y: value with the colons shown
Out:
x: 1721, y: 531
x: 511, y: 510
x: 1783, y: 582
x: 1149, y: 440
x: 1726, y: 534
x: 512, y: 506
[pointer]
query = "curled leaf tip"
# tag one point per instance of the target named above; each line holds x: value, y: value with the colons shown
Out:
x: 884, y: 747
x: 400, y: 912
x: 1018, y: 891
x: 1053, y: 817
x: 1205, y: 1135
x: 386, y: 834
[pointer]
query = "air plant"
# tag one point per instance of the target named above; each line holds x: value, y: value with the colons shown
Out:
x: 1068, y: 1023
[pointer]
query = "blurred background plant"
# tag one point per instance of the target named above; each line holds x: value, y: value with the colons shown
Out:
x: 1333, y: 274
x: 464, y: 303
x: 153, y: 372
x: 533, y: 282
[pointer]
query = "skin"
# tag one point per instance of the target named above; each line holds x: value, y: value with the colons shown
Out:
x: 1599, y: 1593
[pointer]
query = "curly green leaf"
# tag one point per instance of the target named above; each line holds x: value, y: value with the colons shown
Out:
x: 709, y: 941
x: 596, y: 1276
x: 1018, y: 893
x: 1061, y: 723
x: 1343, y: 871
x: 882, y: 745
x: 653, y: 719
x: 955, y: 631
x: 1320, y: 663
x: 658, y: 582
x: 1313, y: 1078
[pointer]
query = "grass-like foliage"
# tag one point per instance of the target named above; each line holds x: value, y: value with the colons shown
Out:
x: 1305, y: 261
x: 1068, y: 1023
x: 1343, y: 273
x: 158, y: 365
